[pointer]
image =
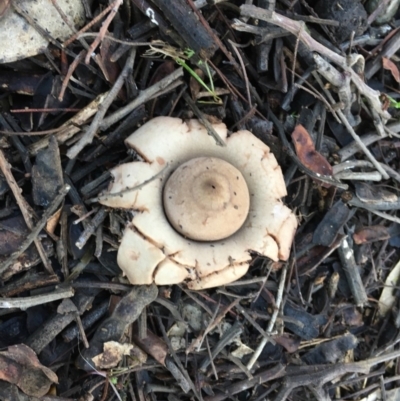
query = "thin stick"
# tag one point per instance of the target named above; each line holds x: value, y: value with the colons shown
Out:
x: 103, y: 30
x: 33, y: 133
x: 71, y: 110
x: 24, y: 207
x: 274, y: 316
x: 378, y: 11
x: 112, y: 39
x: 296, y: 49
x: 103, y: 107
x: 352, y: 273
x: 246, y: 80
x: 89, y: 25
x: 199, y: 114
x: 91, y: 228
x: 127, y: 190
x: 359, y: 176
x: 35, y: 232
x: 70, y: 127
x: 28, y: 302
x: 223, y: 48
x: 352, y: 132
x: 295, y: 28
x: 71, y: 69
x: 141, y: 99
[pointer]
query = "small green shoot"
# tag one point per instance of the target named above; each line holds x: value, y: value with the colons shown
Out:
x: 180, y: 57
x: 393, y: 102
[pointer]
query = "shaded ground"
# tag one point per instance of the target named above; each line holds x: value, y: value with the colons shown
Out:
x: 319, y: 85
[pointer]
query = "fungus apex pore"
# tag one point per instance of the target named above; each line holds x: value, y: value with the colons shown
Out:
x: 206, y: 199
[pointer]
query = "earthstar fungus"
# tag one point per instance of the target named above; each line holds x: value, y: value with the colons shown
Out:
x: 201, y: 230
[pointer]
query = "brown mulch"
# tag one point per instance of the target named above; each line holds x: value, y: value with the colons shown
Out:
x: 316, y: 81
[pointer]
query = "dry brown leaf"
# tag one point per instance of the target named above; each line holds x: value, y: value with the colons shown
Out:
x: 20, y: 365
x: 12, y: 234
x: 53, y: 221
x: 307, y: 154
x: 194, y: 84
x: 371, y: 234
x: 111, y: 70
x: 388, y: 297
x: 392, y: 67
x: 352, y: 317
x: 153, y: 345
x: 241, y: 350
x: 290, y: 343
x: 164, y: 69
x: 113, y: 352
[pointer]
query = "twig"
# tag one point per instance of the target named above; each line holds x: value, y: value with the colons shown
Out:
x: 72, y: 67
x: 68, y: 22
x: 378, y: 11
x: 319, y: 375
x: 246, y: 80
x: 342, y: 82
x: 352, y: 272
x: 349, y: 164
x: 72, y: 126
x: 127, y: 190
x: 386, y: 216
x: 318, y: 96
x: 363, y: 176
x: 141, y: 99
x: 45, y: 110
x: 266, y: 336
x: 258, y: 379
x: 214, y: 322
x: 368, y: 139
x: 391, y: 172
x: 312, y: 19
x: 221, y: 45
x: 28, y: 302
x: 199, y: 114
x: 167, y: 89
x: 32, y: 133
x: 177, y: 369
x: 103, y: 107
x: 274, y: 316
x: 295, y: 28
x: 103, y: 30
x: 112, y: 39
x: 351, y: 131
x: 91, y: 228
x: 24, y: 207
x: 287, y: 100
x: 391, y: 47
x: 376, y: 209
x: 382, y: 205
x: 39, y: 226
x: 89, y: 25
x: 229, y: 335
